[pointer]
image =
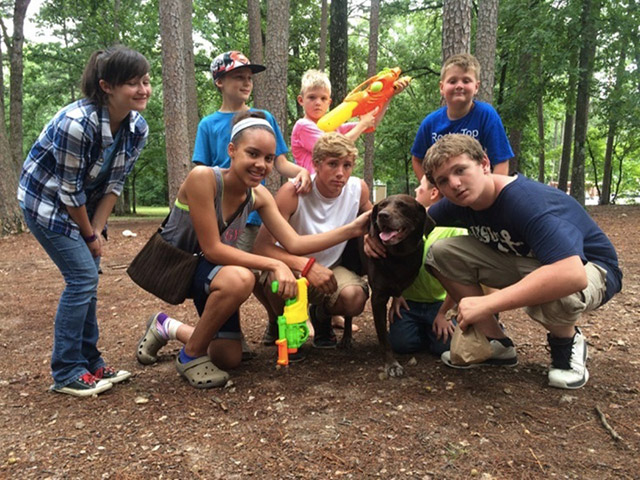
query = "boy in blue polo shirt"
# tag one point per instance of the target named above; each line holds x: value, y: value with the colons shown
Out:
x: 463, y: 114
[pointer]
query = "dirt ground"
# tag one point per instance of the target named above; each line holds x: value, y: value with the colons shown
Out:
x: 332, y: 416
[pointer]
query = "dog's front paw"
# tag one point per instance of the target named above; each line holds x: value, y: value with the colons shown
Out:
x: 394, y: 369
x: 346, y: 342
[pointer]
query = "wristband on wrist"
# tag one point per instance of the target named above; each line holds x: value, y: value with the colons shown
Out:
x: 307, y: 267
x: 91, y: 238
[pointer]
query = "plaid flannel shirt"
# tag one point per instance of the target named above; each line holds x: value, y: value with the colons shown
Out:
x: 67, y: 157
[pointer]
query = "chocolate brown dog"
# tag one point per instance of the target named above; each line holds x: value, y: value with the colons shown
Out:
x: 399, y: 223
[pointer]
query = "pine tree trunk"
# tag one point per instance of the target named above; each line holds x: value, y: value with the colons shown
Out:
x: 338, y: 49
x: 372, y: 67
x: 456, y: 27
x: 275, y: 85
x: 540, y: 117
x: 590, y: 12
x: 605, y: 195
x: 15, y: 82
x: 322, y: 48
x: 486, y: 33
x: 256, y: 50
x: 190, y: 75
x: 174, y: 94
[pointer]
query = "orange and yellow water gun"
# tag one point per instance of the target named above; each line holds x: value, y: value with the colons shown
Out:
x: 292, y: 324
x: 374, y: 92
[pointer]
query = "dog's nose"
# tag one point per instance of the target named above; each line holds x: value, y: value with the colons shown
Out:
x: 384, y: 215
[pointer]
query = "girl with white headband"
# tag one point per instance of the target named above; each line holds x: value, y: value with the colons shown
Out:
x: 224, y: 277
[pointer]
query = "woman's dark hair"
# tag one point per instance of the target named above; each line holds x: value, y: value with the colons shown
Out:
x: 243, y: 116
x: 115, y: 65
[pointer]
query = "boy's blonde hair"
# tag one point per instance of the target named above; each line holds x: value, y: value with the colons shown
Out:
x: 465, y: 61
x: 314, y: 79
x: 449, y: 146
x: 333, y: 145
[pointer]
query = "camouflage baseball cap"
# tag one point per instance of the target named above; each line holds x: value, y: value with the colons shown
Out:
x: 228, y: 61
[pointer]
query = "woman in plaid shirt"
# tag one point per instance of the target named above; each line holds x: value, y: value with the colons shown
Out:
x: 68, y: 187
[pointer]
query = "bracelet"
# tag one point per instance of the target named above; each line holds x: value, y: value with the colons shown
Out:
x: 308, y: 266
x: 91, y: 238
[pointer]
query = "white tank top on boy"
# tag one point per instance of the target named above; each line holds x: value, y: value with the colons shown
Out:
x: 317, y: 214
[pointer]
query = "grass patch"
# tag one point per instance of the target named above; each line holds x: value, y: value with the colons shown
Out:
x: 145, y: 212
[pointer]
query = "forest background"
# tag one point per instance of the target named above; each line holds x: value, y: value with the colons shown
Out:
x: 562, y: 74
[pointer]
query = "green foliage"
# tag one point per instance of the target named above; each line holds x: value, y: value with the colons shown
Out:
x: 535, y: 41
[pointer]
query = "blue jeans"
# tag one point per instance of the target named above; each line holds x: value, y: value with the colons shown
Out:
x: 413, y: 331
x: 75, y: 333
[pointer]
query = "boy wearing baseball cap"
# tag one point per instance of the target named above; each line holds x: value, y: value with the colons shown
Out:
x: 232, y: 74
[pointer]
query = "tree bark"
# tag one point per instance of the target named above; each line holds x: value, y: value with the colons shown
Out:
x: 256, y: 49
x: 372, y: 68
x: 190, y: 75
x: 605, y: 195
x: 590, y: 12
x: 10, y: 215
x: 15, y: 82
x: 322, y: 48
x: 275, y: 84
x: 486, y: 34
x: 567, y: 139
x: 456, y: 27
x: 174, y: 94
x: 338, y: 49
x: 540, y: 117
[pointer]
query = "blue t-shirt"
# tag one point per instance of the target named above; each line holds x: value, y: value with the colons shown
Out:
x: 212, y: 140
x: 532, y: 219
x: 482, y: 123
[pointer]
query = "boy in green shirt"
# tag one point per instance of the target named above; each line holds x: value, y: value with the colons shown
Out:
x: 417, y: 319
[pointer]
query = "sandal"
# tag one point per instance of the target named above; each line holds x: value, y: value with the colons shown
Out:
x: 201, y: 373
x: 150, y: 343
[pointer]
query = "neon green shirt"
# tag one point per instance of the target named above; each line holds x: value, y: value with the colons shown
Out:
x: 426, y: 288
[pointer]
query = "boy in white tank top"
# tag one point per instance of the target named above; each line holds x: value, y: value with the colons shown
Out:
x: 335, y: 199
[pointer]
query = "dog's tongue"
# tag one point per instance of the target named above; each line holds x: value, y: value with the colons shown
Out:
x: 386, y: 236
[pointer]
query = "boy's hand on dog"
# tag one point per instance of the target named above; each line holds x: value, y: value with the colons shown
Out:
x: 396, y: 304
x: 373, y: 247
x: 361, y: 224
x: 322, y: 278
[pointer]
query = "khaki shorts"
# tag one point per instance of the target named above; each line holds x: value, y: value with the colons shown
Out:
x: 344, y: 278
x: 469, y: 261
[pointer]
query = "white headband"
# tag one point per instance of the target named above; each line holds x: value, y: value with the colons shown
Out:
x: 250, y: 122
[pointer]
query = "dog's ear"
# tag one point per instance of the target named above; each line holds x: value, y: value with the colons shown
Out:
x: 429, y: 225
x: 374, y: 216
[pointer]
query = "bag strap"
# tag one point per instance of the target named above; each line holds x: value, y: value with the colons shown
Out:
x: 233, y: 217
x: 238, y: 211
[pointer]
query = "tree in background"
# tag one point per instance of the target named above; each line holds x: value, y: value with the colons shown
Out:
x: 256, y: 49
x: 11, y: 146
x: 456, y: 27
x: 338, y: 48
x: 174, y: 70
x: 372, y: 69
x: 485, y: 52
x: 275, y: 87
x: 588, y: 32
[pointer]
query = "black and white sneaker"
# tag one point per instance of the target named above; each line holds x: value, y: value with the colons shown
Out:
x: 502, y: 356
x: 568, y: 361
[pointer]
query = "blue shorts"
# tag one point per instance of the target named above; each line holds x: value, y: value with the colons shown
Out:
x: 205, y: 272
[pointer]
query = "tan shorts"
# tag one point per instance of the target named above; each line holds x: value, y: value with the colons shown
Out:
x: 344, y: 278
x: 469, y: 261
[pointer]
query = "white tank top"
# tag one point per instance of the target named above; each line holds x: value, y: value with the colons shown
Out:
x: 317, y: 214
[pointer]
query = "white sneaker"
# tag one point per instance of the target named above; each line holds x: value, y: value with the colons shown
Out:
x: 568, y: 362
x: 501, y: 357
